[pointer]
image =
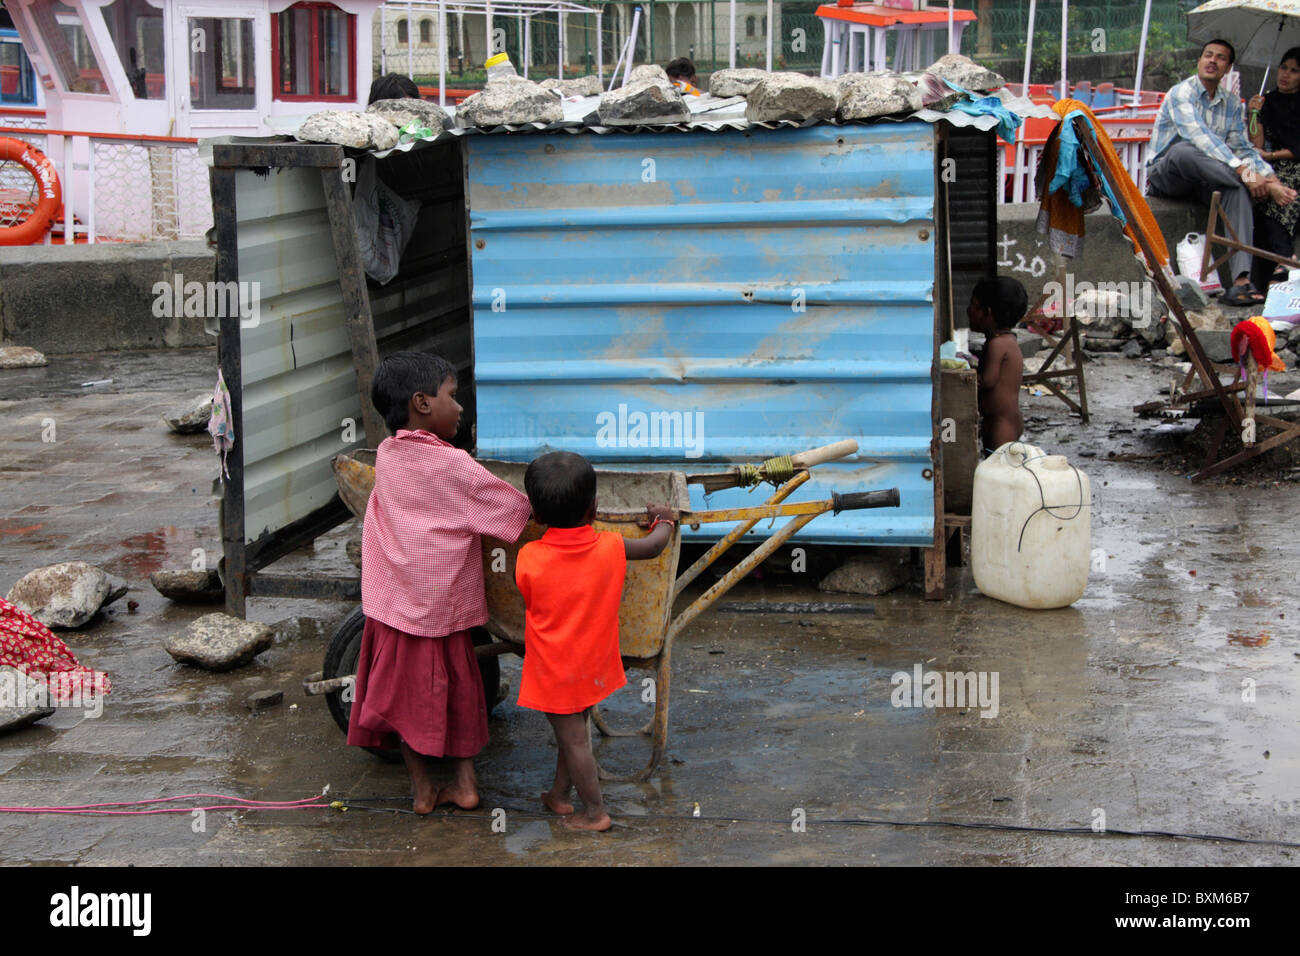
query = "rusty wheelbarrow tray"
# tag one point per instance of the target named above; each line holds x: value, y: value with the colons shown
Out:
x: 647, y: 627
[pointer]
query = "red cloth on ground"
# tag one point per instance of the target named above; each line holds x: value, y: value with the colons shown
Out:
x: 31, y: 647
x: 572, y: 583
x: 427, y: 691
x: 421, y: 557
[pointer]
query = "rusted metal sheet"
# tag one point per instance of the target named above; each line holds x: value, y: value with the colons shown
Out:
x: 691, y: 301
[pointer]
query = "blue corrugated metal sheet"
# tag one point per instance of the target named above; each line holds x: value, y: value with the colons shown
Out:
x: 664, y: 275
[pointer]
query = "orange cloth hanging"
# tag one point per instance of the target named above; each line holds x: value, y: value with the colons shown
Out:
x: 1120, y: 179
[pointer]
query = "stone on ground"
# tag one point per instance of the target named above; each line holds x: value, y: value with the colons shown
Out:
x: 1190, y: 294
x: 188, y: 587
x: 401, y: 112
x: 67, y: 594
x: 514, y: 103
x: 791, y: 96
x: 1132, y: 349
x: 866, y: 574
x: 219, y: 642
x: 735, y: 82
x: 23, y: 700
x: 348, y: 128
x: 864, y: 95
x: 190, y: 418
x: 20, y: 356
x: 264, y: 699
x: 647, y: 101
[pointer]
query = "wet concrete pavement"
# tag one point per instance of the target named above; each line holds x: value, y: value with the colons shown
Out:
x: 1130, y: 702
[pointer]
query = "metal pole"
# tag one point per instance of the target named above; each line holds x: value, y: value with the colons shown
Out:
x: 560, y: 19
x: 1019, y: 173
x: 631, y: 44
x: 950, y: 24
x: 731, y: 48
x: 528, y: 42
x: 410, y: 47
x: 487, y: 17
x: 383, y: 41
x: 442, y: 53
x: 713, y: 33
x: 1142, y: 54
x: 770, y: 21
x: 1065, y: 23
x: 650, y: 34
x: 600, y: 47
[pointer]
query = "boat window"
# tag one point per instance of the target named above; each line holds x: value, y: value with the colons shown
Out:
x: 17, y: 79
x: 315, y: 52
x: 137, y: 31
x: 221, y: 64
x: 65, y: 38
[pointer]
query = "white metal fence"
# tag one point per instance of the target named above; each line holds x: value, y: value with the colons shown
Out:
x: 117, y: 188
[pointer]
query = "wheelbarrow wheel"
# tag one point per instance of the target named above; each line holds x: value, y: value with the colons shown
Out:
x: 345, y: 650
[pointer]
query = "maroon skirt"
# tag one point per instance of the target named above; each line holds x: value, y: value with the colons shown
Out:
x: 424, y: 690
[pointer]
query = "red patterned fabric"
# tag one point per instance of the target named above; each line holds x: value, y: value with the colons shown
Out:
x: 30, y: 646
x: 421, y: 557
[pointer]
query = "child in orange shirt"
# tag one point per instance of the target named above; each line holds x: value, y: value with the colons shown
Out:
x: 572, y: 583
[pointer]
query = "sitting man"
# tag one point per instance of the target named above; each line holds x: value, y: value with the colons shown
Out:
x: 1199, y: 145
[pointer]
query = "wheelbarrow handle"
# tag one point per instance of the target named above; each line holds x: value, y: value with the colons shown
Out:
x: 831, y: 452
x: 853, y: 500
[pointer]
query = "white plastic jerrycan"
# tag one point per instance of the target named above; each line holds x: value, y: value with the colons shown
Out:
x: 1031, y: 528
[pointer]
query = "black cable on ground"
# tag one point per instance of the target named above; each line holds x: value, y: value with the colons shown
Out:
x: 358, y: 804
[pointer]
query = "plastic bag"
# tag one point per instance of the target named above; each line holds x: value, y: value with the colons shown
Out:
x: 384, y: 223
x: 1190, y: 252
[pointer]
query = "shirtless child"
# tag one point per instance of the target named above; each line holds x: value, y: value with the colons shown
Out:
x: 996, y: 305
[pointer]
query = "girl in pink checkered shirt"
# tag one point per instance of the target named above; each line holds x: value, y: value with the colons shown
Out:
x: 418, y: 685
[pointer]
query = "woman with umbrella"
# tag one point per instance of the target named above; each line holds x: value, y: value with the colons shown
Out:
x: 1277, y: 137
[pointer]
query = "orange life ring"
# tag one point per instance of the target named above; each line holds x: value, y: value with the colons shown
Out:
x: 38, y: 221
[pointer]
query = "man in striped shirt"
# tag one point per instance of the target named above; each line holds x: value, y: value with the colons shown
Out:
x: 1199, y: 145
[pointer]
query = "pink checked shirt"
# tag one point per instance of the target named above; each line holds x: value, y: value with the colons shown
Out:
x: 421, y: 560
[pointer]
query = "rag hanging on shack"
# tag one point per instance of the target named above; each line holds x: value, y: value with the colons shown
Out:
x: 31, y: 647
x: 1071, y: 185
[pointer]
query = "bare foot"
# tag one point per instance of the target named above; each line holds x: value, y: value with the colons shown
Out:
x: 464, y: 797
x: 426, y: 798
x: 584, y: 821
x: 556, y: 804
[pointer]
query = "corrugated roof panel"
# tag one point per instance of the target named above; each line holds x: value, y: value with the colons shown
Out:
x: 749, y: 294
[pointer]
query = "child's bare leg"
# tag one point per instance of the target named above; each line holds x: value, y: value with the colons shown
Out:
x: 575, y: 746
x: 422, y: 788
x: 557, y: 798
x: 463, y: 789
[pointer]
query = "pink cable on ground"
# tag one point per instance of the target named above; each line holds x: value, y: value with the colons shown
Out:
x: 242, y: 803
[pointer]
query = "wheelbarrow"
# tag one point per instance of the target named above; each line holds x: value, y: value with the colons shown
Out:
x: 647, y: 627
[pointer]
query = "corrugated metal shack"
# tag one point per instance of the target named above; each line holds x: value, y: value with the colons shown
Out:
x: 676, y: 296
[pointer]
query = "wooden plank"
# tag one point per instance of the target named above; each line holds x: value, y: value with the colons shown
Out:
x: 229, y: 360
x: 264, y: 155
x: 356, y: 299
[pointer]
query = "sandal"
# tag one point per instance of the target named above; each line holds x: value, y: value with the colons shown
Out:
x: 1243, y: 294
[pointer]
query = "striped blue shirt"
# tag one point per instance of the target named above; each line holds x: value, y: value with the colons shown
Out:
x: 1214, y: 125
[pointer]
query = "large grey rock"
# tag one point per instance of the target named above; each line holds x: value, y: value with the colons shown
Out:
x: 219, y: 642
x: 581, y: 86
x: 966, y: 73
x: 402, y: 112
x: 23, y: 700
x: 67, y: 594
x: 1190, y: 294
x: 866, y: 574
x: 791, y: 96
x: 1153, y: 333
x: 1101, y: 312
x: 863, y: 95
x: 188, y: 587
x: 510, y: 104
x: 20, y: 356
x: 647, y: 101
x: 348, y: 128
x: 190, y: 418
x: 1216, y: 344
x: 735, y: 82
x: 648, y: 71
